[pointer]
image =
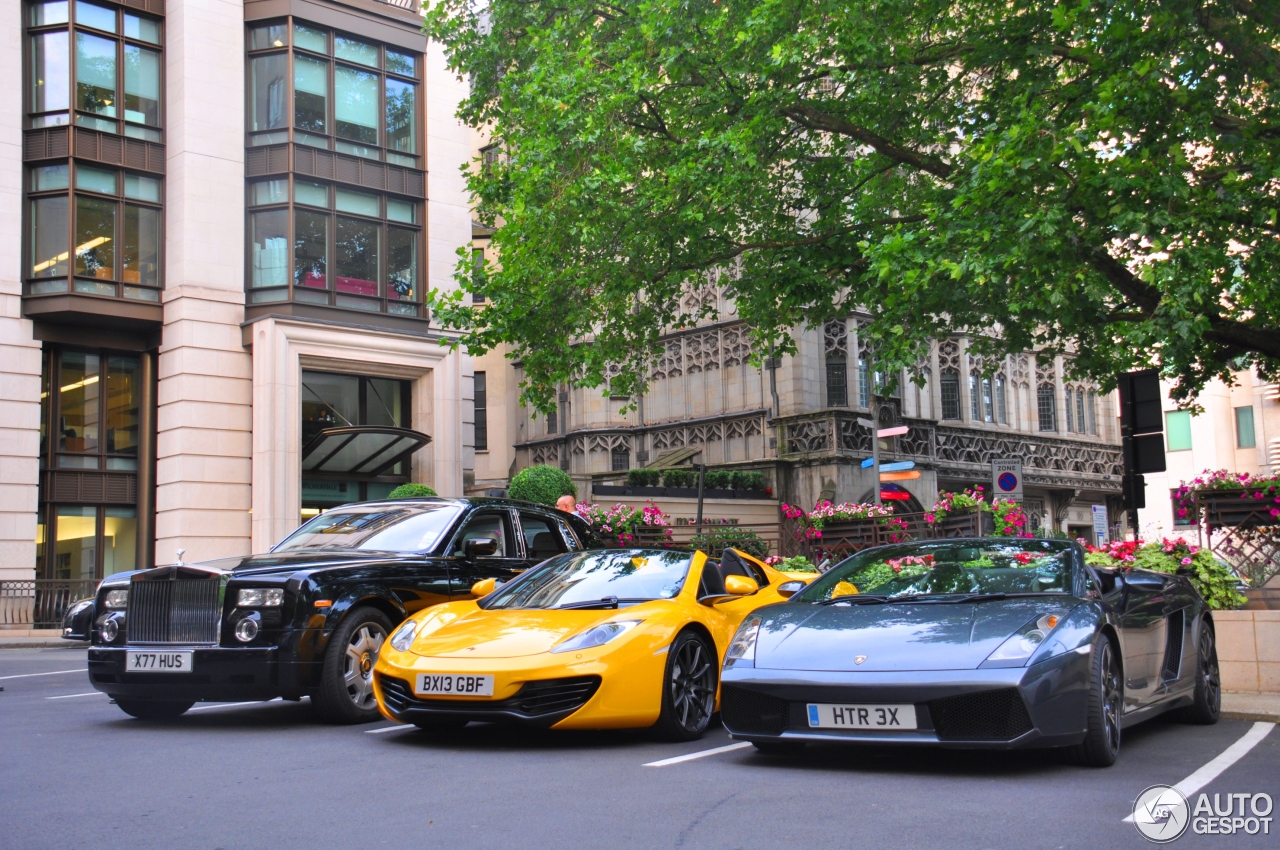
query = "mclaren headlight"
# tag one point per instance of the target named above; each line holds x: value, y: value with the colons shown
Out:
x: 1023, y: 643
x: 260, y: 597
x: 597, y: 635
x: 742, y: 649
x: 403, y: 637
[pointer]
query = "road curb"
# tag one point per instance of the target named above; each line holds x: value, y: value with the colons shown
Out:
x: 42, y: 643
x: 1251, y: 715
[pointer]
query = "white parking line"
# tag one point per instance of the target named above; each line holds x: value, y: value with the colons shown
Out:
x: 233, y: 704
x: 72, y: 696
x: 54, y: 673
x: 388, y: 729
x: 691, y: 756
x: 1225, y: 759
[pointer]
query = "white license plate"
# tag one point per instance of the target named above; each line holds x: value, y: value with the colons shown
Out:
x: 158, y: 662
x: 453, y: 684
x: 835, y: 716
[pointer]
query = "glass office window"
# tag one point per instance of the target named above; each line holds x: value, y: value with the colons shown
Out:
x: 119, y: 540
x: 96, y: 75
x: 269, y: 248
x: 140, y: 250
x: 1244, y: 428
x: 310, y: 249
x: 95, y: 237
x: 311, y: 94
x: 50, y: 85
x: 141, y: 85
x: 80, y: 376
x: 356, y: 257
x: 49, y: 237
x: 1178, y: 430
x: 75, y: 553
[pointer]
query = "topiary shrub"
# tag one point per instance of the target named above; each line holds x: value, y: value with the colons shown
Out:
x: 541, y: 484
x: 748, y: 480
x: 643, y: 477
x: 717, y: 538
x: 719, y: 479
x: 412, y: 491
x: 679, y: 478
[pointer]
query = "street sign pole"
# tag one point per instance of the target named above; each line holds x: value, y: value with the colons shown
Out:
x: 875, y: 451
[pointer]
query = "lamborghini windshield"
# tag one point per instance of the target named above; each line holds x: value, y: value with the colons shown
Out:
x: 944, y: 568
x: 385, y: 527
x: 606, y: 578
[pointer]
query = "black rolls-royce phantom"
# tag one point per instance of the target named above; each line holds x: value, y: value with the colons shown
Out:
x: 308, y: 618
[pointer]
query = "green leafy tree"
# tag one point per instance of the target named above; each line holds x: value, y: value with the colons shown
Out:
x: 1089, y: 175
x: 542, y: 484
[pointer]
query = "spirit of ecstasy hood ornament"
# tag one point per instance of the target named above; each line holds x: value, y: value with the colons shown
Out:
x: 180, y: 553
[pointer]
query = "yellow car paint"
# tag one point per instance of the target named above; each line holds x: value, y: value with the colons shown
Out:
x: 514, y: 646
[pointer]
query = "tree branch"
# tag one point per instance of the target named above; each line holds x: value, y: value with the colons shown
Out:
x: 813, y: 118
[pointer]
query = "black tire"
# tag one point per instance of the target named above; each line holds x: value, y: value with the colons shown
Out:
x: 688, y: 688
x: 439, y: 727
x: 1207, y: 707
x: 345, y: 694
x: 779, y: 748
x: 150, y: 709
x: 1101, y: 744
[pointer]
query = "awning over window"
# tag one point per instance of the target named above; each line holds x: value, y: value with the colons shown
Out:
x: 360, y: 449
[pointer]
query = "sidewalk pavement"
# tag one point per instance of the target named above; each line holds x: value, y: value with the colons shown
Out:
x: 40, y: 642
x: 1241, y: 706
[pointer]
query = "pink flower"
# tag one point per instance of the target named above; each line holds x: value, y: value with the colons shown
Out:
x: 1186, y: 562
x: 1275, y: 511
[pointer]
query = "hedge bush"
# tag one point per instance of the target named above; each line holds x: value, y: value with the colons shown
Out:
x: 719, y: 479
x: 541, y: 484
x: 412, y: 491
x: 679, y: 478
x: 748, y: 480
x: 644, y: 477
x: 720, y: 537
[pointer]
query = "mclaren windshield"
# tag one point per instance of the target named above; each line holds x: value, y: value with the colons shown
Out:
x: 606, y: 578
x: 966, y: 569
x: 387, y: 527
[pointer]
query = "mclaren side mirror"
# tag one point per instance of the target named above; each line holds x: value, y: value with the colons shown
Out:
x: 484, y: 587
x: 790, y: 588
x: 480, y: 547
x: 740, y: 585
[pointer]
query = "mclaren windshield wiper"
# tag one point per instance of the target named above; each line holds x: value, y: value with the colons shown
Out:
x: 605, y: 602
x: 856, y: 599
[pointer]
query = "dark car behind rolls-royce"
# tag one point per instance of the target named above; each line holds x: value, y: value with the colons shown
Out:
x: 985, y: 642
x: 307, y: 618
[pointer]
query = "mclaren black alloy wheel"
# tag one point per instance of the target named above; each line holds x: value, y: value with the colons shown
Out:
x: 345, y: 694
x: 153, y: 709
x: 1207, y: 706
x: 1101, y: 742
x: 689, y: 688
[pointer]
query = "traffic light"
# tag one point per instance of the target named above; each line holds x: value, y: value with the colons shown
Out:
x: 1141, y: 433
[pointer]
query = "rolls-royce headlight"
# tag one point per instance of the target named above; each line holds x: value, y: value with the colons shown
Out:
x: 116, y: 600
x: 260, y: 597
x: 1022, y: 643
x: 742, y: 649
x: 403, y: 637
x: 597, y: 635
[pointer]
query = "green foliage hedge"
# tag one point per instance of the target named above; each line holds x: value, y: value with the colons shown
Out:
x: 412, y: 491
x: 644, y: 477
x: 718, y: 538
x: 541, y: 484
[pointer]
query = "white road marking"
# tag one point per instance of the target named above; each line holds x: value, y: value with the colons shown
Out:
x: 232, y: 704
x: 1225, y: 759
x: 388, y: 729
x: 54, y: 673
x: 72, y: 696
x: 691, y: 756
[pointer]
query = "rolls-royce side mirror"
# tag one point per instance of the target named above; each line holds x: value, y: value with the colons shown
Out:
x: 480, y: 547
x: 790, y: 588
x: 484, y: 587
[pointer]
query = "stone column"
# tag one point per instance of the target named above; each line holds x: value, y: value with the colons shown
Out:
x: 19, y: 352
x: 205, y: 388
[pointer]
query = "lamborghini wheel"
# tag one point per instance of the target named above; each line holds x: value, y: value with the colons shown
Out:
x: 1101, y: 742
x: 1208, y: 695
x: 689, y: 688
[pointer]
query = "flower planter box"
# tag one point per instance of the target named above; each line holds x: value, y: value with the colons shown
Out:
x: 628, y: 491
x: 1226, y: 508
x: 846, y: 538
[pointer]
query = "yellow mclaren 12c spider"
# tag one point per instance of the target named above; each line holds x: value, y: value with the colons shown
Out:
x: 603, y: 639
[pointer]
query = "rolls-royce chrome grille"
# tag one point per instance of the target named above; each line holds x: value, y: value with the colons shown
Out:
x: 179, y: 611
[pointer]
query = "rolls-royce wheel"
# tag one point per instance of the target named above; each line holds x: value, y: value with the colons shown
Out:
x: 1101, y: 742
x: 689, y: 689
x: 151, y: 709
x: 345, y: 694
x: 779, y: 748
x: 1207, y: 707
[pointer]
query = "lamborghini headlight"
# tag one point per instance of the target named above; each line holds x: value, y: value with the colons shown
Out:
x: 1022, y: 643
x: 597, y: 635
x: 742, y: 649
x: 403, y: 637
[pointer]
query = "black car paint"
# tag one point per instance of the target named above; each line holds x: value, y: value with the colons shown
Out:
x: 1131, y: 607
x: 285, y: 659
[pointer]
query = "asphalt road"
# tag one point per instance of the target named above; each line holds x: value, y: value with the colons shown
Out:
x: 75, y: 772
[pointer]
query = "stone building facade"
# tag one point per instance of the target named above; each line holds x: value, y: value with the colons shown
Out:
x: 220, y: 220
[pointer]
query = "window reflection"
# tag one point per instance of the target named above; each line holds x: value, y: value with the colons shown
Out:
x: 141, y: 85
x: 311, y: 94
x: 50, y: 73
x: 95, y: 237
x: 402, y: 263
x: 124, y: 399
x: 356, y: 257
x: 76, y: 549
x: 270, y: 248
x: 270, y: 89
x: 401, y: 122
x: 309, y: 244
x: 140, y: 256
x: 78, y: 404
x: 49, y: 237
x: 119, y: 540
x: 95, y: 74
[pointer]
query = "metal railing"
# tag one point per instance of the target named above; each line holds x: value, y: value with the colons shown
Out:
x: 40, y: 603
